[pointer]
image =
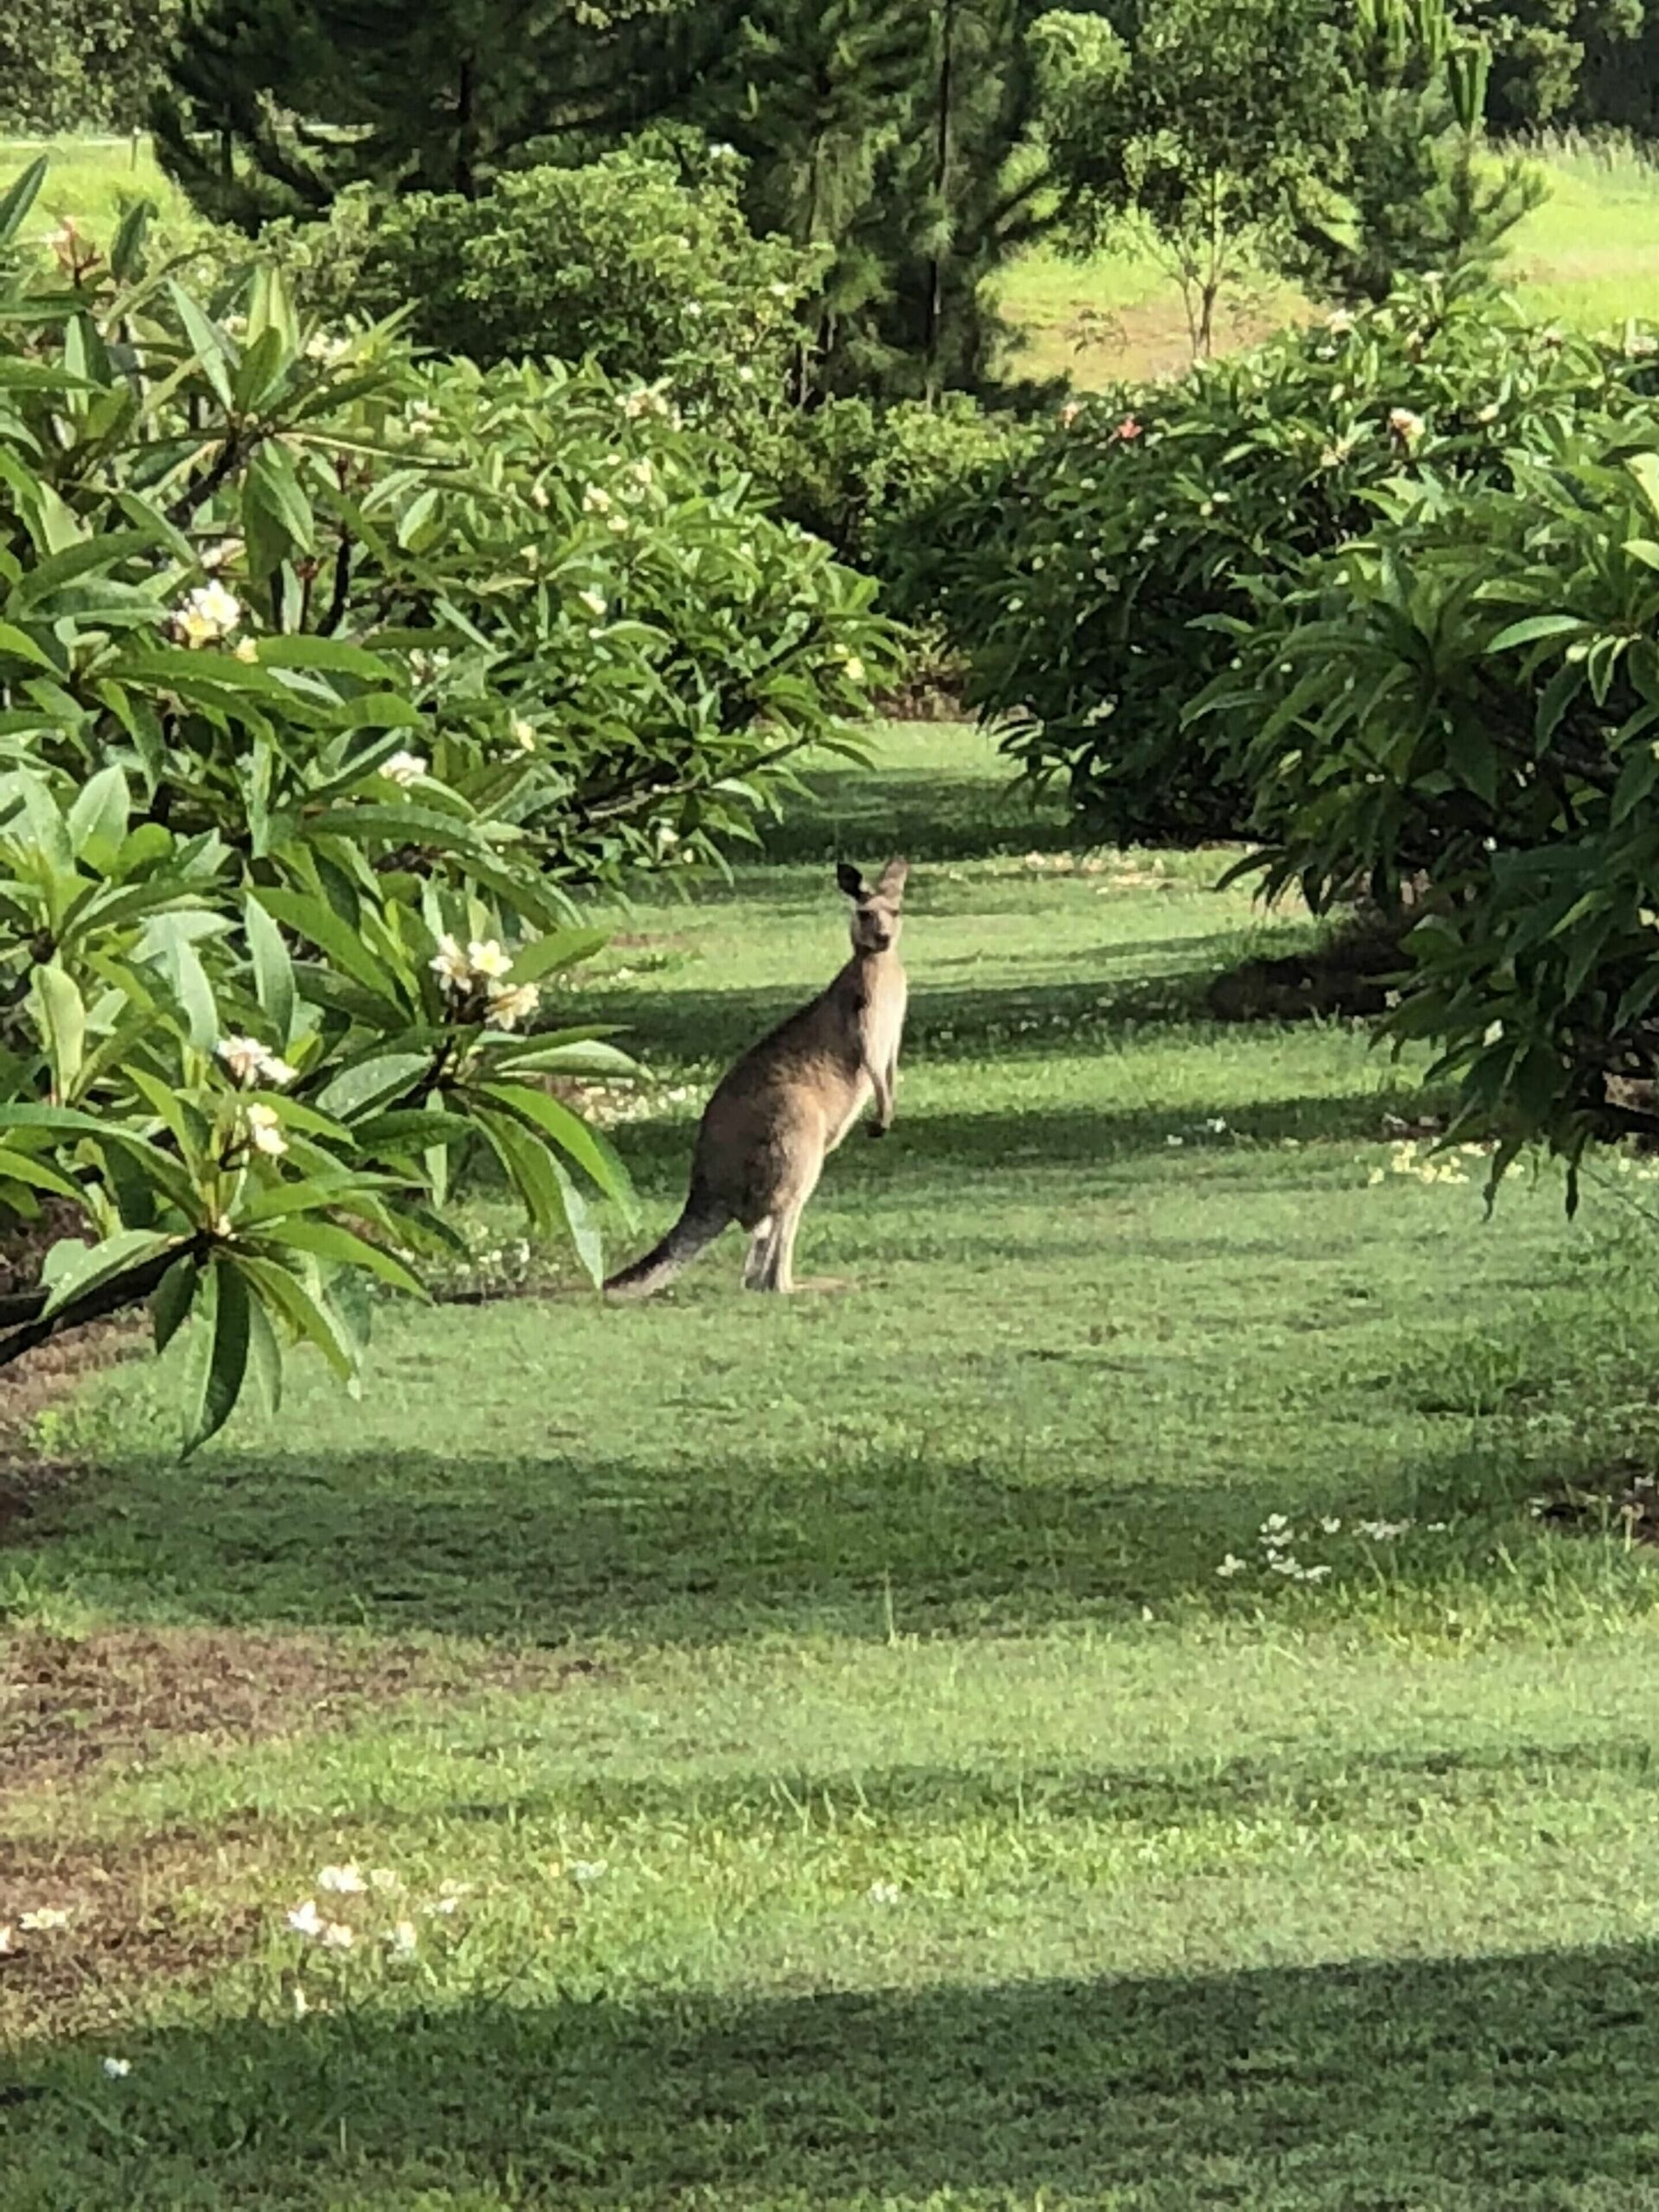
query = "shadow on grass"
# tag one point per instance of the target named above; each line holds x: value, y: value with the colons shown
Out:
x: 716, y: 1541
x: 1355, y: 1793
x: 954, y: 1020
x: 928, y: 1153
x: 1522, y: 2081
x: 929, y: 818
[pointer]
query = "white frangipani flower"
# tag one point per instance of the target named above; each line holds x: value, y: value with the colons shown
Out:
x: 206, y: 614
x: 511, y: 1003
x: 265, y: 1131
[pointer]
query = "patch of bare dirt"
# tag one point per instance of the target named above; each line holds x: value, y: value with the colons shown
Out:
x: 81, y: 1923
x: 1624, y: 1503
x: 69, y: 1705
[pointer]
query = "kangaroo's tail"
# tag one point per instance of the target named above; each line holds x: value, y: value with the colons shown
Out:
x: 700, y: 1223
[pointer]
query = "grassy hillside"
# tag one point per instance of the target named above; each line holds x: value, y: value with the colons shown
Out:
x: 1590, y: 256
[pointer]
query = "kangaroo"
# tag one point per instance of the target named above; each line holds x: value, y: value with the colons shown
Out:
x: 782, y: 1110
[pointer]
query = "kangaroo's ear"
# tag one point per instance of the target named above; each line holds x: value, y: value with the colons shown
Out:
x: 849, y: 878
x: 890, y: 884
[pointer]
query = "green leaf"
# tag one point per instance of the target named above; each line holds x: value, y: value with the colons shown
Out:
x: 126, y: 253
x: 220, y: 1360
x: 314, y: 919
x: 311, y: 1319
x: 330, y: 1241
x: 273, y: 970
x: 571, y: 1134
x: 19, y: 198
x: 65, y: 1121
x: 264, y: 1353
x: 558, y: 949
x: 23, y: 647
x: 63, y: 1014
x: 24, y: 1167
x: 173, y: 1298
x: 101, y: 811
x: 209, y: 343
x: 99, y: 1264
x: 371, y: 1082
x: 1535, y: 626
x: 187, y: 979
x: 276, y: 510
x: 1644, y: 467
x: 579, y: 1223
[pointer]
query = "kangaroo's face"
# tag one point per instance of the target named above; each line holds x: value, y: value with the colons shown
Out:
x: 877, y: 910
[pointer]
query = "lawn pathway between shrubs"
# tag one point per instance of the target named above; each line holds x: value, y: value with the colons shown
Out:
x: 1139, y: 1702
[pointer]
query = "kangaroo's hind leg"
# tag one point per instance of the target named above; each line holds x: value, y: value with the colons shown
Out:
x: 778, y: 1272
x: 755, y: 1266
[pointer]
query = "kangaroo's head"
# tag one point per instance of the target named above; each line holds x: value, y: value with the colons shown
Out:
x: 877, y: 909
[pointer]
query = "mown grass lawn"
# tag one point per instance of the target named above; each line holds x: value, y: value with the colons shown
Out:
x: 805, y: 1755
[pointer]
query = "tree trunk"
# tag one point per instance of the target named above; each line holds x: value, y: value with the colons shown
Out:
x: 935, y: 315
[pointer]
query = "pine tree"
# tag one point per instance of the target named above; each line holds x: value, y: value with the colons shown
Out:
x: 272, y: 107
x: 1415, y: 191
x: 967, y: 189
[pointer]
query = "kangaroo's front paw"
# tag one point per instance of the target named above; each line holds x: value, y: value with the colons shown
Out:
x: 877, y: 1128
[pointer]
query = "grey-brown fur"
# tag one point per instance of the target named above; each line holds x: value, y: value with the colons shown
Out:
x: 782, y: 1110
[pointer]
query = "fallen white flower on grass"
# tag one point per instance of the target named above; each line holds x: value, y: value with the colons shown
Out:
x: 302, y: 2003
x: 343, y: 1881
x: 1330, y: 1525
x: 1493, y: 1033
x: 305, y: 1919
x: 7, y: 1938
x: 405, y: 768
x: 337, y: 1937
x: 883, y: 1893
x: 118, y: 2068
x: 595, y: 604
x: 588, y: 1870
x: 405, y: 1939
x: 42, y: 1920
x: 1231, y: 1565
x: 523, y: 734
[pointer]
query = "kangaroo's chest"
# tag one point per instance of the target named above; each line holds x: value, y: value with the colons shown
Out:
x: 883, y: 1021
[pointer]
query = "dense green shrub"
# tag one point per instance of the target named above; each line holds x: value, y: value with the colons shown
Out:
x: 1471, y: 692
x: 621, y: 263
x: 1099, y: 594
x: 320, y: 675
x: 81, y: 65
x: 877, y: 483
